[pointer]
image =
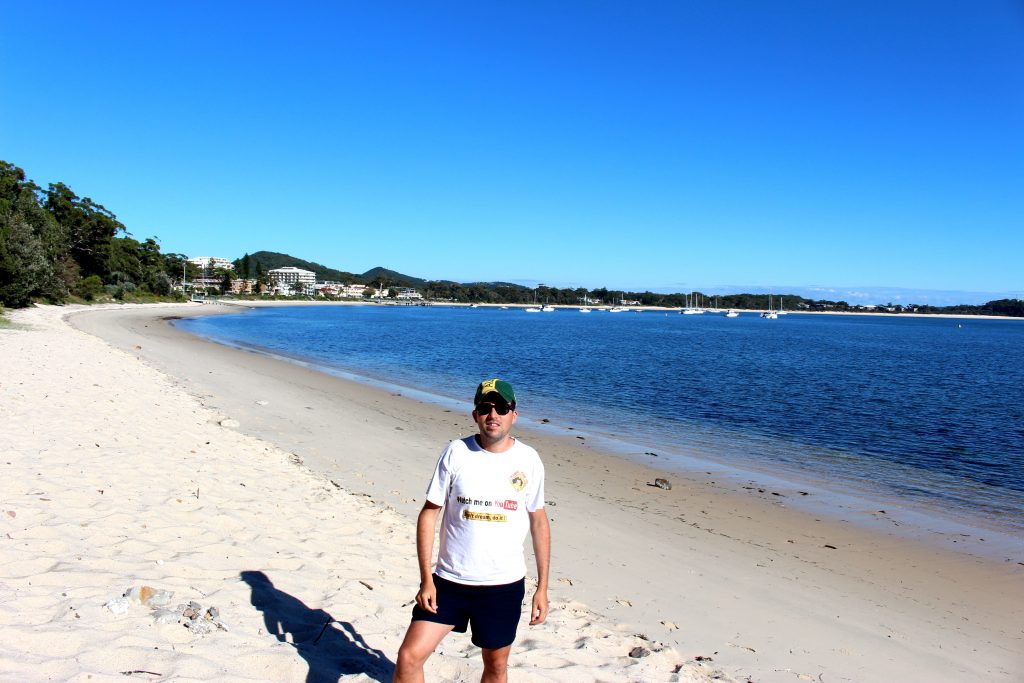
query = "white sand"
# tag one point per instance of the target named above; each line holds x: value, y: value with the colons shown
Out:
x: 709, y: 569
x: 115, y: 477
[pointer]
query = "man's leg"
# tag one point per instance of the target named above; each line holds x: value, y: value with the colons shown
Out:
x: 420, y: 641
x: 495, y: 665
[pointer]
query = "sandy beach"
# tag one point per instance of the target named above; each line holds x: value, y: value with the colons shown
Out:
x: 136, y: 454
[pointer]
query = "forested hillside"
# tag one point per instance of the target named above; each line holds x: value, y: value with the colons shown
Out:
x: 272, y: 259
x: 55, y: 245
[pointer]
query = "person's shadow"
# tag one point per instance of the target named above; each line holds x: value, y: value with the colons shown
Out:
x: 332, y: 648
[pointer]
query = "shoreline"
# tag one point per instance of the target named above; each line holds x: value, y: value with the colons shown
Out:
x: 767, y: 548
x: 852, y: 499
x: 255, y: 303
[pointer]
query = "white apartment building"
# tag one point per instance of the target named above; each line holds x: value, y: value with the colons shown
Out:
x: 350, y: 291
x: 212, y: 262
x: 290, y: 276
x: 336, y: 289
x: 355, y: 291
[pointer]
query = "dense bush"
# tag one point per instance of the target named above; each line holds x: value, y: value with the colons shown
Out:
x: 89, y: 288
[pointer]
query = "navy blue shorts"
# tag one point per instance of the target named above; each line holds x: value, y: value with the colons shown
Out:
x: 493, y: 611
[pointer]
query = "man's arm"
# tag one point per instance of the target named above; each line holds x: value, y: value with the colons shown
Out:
x: 426, y: 523
x: 540, y: 532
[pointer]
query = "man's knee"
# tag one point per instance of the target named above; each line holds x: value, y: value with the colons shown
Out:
x: 496, y: 661
x: 412, y: 656
x: 496, y: 668
x: 420, y: 641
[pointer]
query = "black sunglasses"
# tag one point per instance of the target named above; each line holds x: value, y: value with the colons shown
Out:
x: 485, y: 408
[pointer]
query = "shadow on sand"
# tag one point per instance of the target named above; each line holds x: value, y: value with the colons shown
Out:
x: 332, y: 648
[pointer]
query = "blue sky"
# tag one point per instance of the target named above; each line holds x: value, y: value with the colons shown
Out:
x: 722, y: 145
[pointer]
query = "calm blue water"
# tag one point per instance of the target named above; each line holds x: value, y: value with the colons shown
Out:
x: 925, y: 410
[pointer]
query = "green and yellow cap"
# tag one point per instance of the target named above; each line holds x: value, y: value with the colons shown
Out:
x: 495, y: 386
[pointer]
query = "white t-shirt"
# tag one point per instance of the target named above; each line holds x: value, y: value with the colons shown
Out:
x: 486, y: 497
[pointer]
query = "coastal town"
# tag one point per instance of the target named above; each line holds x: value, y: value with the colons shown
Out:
x: 284, y: 281
x: 202, y: 277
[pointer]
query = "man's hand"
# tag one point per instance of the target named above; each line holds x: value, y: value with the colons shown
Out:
x: 540, y: 531
x: 539, y: 611
x: 426, y: 598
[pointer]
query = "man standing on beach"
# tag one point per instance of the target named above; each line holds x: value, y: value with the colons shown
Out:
x: 491, y: 486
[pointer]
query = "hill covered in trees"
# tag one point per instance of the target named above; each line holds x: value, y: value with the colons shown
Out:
x: 268, y: 260
x: 249, y: 265
x: 55, y: 245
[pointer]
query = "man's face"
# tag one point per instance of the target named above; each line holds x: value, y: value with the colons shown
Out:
x: 494, y: 427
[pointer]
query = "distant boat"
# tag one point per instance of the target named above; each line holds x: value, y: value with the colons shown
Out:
x: 769, y: 314
x: 534, y: 308
x: 474, y: 305
x: 780, y: 311
x: 691, y: 309
x: 618, y: 308
x: 732, y: 314
x: 547, y: 308
x: 584, y: 310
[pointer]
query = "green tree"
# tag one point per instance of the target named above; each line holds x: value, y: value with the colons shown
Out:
x: 89, y: 287
x: 77, y: 238
x: 125, y: 256
x: 23, y: 264
x: 20, y: 203
x: 173, y: 265
x: 89, y: 227
x: 162, y: 284
x: 1014, y: 307
x: 262, y: 277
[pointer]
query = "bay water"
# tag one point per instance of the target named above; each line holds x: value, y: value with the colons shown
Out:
x: 927, y: 413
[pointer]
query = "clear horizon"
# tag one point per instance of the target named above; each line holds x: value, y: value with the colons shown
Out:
x: 868, y: 149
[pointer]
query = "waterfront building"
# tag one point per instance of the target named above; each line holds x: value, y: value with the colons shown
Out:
x: 241, y: 286
x: 339, y: 290
x: 203, y: 284
x: 211, y: 262
x: 292, y: 278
